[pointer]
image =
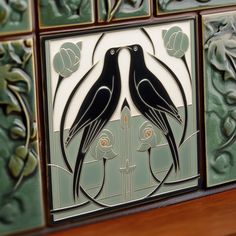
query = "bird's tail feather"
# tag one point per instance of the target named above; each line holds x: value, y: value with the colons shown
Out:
x: 77, y: 173
x: 173, y: 148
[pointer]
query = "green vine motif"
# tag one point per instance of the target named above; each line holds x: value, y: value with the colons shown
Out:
x: 113, y: 6
x: 15, y: 90
x: 220, y: 47
x: 164, y: 3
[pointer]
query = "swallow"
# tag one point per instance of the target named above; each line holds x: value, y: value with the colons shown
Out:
x: 151, y: 98
x: 95, y: 111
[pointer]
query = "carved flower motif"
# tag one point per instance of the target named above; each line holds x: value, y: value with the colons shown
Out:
x: 222, y: 163
x: 19, y: 5
x: 147, y: 136
x: 229, y: 126
x: 222, y: 54
x: 102, y: 148
x: 67, y: 60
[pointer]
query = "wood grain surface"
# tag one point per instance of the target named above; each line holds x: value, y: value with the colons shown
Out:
x: 212, y: 216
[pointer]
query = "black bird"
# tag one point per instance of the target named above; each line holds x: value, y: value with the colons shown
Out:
x: 96, y: 110
x: 151, y: 98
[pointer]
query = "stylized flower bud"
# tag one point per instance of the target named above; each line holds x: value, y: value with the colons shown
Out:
x: 229, y: 126
x: 103, y: 146
x: 67, y: 60
x: 231, y: 98
x: 175, y: 41
x: 149, y: 138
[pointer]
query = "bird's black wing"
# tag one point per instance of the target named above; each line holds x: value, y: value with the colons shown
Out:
x: 91, y: 109
x: 156, y: 97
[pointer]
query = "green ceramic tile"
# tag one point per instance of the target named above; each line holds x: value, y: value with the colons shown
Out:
x: 59, y: 13
x: 220, y: 100
x: 112, y: 10
x: 20, y: 182
x: 113, y: 153
x: 15, y: 16
x: 167, y: 6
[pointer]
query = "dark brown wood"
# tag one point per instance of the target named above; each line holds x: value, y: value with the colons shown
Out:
x: 211, y: 215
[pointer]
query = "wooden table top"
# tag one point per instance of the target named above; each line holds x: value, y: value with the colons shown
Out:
x: 212, y: 215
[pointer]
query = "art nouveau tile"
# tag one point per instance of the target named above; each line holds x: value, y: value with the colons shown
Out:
x: 112, y: 10
x: 20, y: 186
x: 117, y: 137
x: 219, y: 76
x: 15, y: 16
x: 65, y: 13
x: 167, y: 6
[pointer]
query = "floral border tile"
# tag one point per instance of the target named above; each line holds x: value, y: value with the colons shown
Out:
x: 219, y: 38
x: 21, y: 205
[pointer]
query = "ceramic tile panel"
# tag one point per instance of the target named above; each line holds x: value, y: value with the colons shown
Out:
x: 54, y: 13
x: 15, y: 16
x: 121, y: 116
x: 21, y: 206
x: 112, y: 10
x: 168, y: 6
x: 220, y: 100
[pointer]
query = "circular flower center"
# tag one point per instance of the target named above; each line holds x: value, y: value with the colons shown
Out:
x: 104, y: 142
x: 148, y: 133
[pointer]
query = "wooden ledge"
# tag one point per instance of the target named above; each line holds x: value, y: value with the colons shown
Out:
x: 212, y: 215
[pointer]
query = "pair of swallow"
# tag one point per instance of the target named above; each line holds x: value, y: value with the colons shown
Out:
x: 147, y: 93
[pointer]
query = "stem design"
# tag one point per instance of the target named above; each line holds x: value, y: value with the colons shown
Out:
x: 112, y: 11
x: 183, y: 58
x: 57, y: 87
x: 27, y: 121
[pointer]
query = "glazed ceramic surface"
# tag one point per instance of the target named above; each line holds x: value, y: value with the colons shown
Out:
x: 53, y: 13
x: 20, y: 186
x: 15, y: 16
x: 219, y: 76
x: 167, y: 6
x: 112, y: 10
x: 109, y: 144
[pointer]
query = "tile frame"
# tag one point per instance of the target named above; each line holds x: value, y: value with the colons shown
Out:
x: 127, y: 206
x: 227, y: 11
x: 40, y: 167
x: 161, y: 13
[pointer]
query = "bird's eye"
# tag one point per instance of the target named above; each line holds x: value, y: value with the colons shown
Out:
x: 135, y: 48
x: 112, y: 51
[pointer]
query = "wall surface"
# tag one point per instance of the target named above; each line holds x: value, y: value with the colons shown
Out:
x: 110, y: 105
